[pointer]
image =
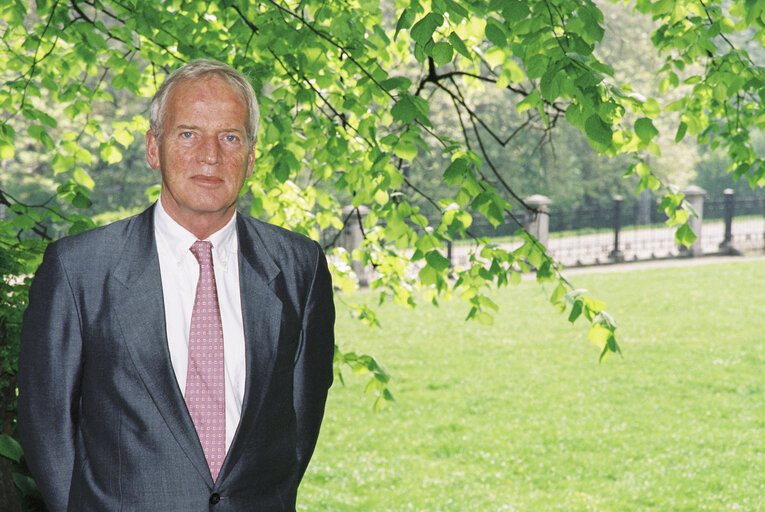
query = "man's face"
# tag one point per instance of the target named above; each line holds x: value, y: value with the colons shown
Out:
x: 204, y: 157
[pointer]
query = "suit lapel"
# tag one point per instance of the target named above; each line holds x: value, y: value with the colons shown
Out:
x: 261, y: 317
x: 140, y: 311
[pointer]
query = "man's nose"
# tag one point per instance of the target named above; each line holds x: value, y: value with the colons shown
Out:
x: 209, y: 152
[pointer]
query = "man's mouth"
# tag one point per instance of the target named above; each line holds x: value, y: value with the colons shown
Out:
x: 206, y: 180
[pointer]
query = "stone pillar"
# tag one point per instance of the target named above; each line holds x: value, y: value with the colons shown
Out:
x: 695, y: 196
x: 351, y: 239
x: 616, y: 254
x: 538, y: 223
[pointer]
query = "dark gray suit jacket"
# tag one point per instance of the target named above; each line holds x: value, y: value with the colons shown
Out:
x: 102, y: 420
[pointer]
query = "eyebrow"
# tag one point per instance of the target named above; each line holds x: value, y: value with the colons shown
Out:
x: 194, y: 127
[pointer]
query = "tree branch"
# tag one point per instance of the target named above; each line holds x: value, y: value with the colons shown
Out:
x: 343, y: 50
x: 34, y: 58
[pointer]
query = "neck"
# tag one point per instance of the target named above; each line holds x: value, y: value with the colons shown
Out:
x: 200, y: 224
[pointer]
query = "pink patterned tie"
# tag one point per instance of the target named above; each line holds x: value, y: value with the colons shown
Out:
x: 205, y: 397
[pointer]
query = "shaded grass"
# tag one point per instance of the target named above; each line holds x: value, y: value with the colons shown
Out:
x: 519, y: 416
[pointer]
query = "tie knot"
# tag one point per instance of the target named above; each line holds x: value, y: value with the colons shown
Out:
x: 202, y: 251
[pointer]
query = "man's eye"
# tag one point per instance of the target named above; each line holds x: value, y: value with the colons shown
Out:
x: 187, y: 135
x: 231, y: 138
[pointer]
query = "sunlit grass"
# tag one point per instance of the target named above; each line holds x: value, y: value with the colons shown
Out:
x: 520, y: 416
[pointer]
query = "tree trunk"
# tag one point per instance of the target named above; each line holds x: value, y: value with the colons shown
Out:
x: 9, y: 498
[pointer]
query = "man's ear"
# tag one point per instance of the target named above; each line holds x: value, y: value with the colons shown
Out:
x: 152, y: 150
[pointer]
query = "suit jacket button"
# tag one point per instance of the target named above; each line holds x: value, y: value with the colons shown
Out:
x: 214, y: 498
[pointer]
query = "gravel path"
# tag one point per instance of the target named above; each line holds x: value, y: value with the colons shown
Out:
x: 673, y: 262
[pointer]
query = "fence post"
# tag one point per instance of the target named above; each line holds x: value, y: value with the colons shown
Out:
x: 695, y: 196
x: 644, y: 207
x: 726, y: 246
x: 617, y: 255
x: 762, y: 210
x: 538, y: 223
x: 351, y: 238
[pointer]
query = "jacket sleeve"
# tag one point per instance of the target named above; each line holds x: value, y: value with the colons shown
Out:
x: 50, y: 367
x: 313, y: 365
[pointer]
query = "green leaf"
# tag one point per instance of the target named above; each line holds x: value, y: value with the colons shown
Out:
x: 685, y: 235
x: 46, y: 119
x: 529, y: 102
x: 26, y: 485
x: 422, y: 107
x: 454, y: 174
x: 645, y: 129
x: 281, y: 171
x: 405, y: 149
x: 428, y: 275
x: 598, y: 131
x: 576, y: 311
x: 550, y: 85
x: 6, y: 150
x: 436, y: 260
x: 485, y: 318
x: 10, y: 448
x: 610, y: 346
x: 398, y: 82
x: 81, y: 201
x: 593, y: 307
x: 456, y: 11
x: 84, y: 156
x: 511, y: 74
x: 423, y: 30
x: 495, y: 33
x: 404, y: 110
x: 404, y: 21
x: 598, y: 335
x: 459, y: 45
x: 40, y: 133
x: 110, y: 154
x: 119, y: 81
x: 23, y: 222
x: 495, y: 56
x: 535, y: 257
x: 124, y: 137
x: 442, y: 53
x: 681, y: 129
x: 486, y: 302
x: 558, y: 294
x: 81, y: 177
x: 515, y: 10
x: 651, y: 108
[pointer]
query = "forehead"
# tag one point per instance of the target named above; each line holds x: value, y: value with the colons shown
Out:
x: 208, y: 98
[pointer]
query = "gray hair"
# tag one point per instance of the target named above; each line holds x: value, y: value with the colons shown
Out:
x: 198, y: 69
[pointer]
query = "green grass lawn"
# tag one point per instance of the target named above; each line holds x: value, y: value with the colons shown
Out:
x: 519, y: 416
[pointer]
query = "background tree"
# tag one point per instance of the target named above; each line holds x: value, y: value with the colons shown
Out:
x: 407, y: 108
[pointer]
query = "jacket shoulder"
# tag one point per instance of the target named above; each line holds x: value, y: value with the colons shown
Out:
x: 99, y: 244
x: 278, y: 240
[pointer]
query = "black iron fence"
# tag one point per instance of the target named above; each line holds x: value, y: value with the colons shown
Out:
x: 619, y: 231
x: 605, y: 233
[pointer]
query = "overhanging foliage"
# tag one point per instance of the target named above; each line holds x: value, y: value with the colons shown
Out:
x: 354, y: 94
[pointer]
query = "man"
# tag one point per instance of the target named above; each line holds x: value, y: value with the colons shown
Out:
x: 179, y: 360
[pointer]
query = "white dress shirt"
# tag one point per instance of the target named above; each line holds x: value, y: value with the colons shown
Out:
x: 179, y: 271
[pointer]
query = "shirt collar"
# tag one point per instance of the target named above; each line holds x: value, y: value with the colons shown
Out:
x: 179, y: 239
